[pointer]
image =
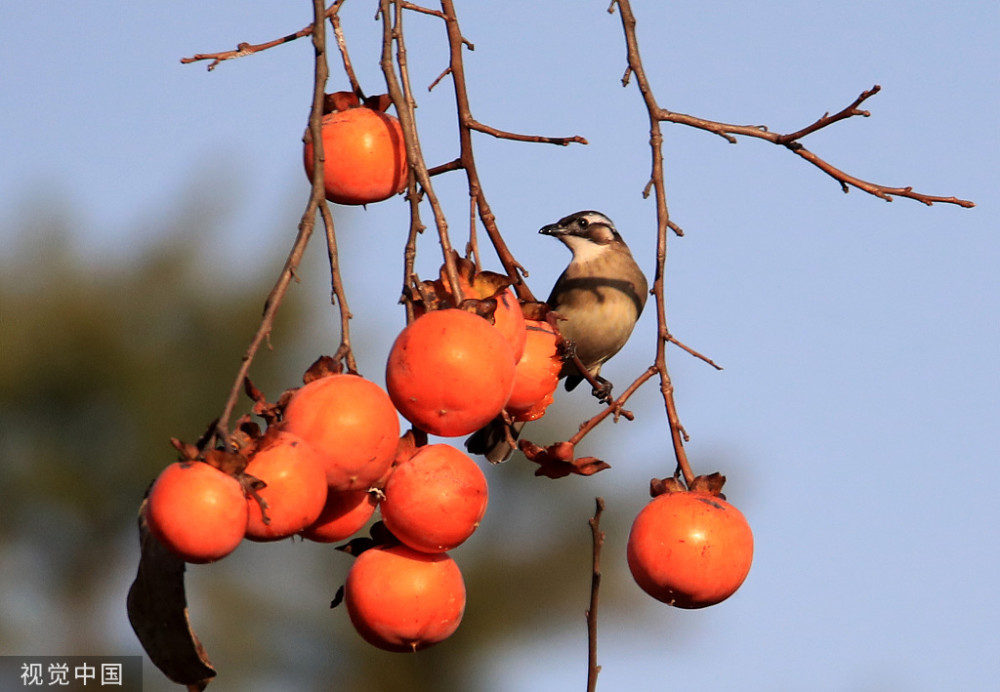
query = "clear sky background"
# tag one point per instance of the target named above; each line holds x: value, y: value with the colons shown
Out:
x: 858, y: 414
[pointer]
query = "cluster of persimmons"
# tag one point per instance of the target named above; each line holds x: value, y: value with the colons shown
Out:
x: 332, y: 452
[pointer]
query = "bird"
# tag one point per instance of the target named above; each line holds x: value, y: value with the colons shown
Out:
x: 597, y: 299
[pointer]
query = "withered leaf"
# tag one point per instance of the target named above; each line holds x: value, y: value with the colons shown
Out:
x: 157, y: 610
x: 557, y: 461
x: 324, y: 366
x: 340, y: 101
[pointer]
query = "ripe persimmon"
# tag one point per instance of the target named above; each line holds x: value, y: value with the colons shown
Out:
x: 296, y: 486
x: 197, y: 511
x: 351, y: 422
x: 537, y: 374
x: 450, y: 372
x: 365, y: 156
x: 435, y: 499
x: 400, y: 599
x: 507, y: 318
x: 690, y: 549
x: 345, y: 512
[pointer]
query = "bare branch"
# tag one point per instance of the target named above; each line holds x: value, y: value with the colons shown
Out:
x: 615, y: 407
x: 402, y: 99
x: 337, y: 295
x: 501, y: 134
x: 467, y: 158
x: 791, y: 142
x: 306, y: 226
x: 656, y: 186
x: 696, y: 354
x: 597, y: 542
x: 423, y: 10
x: 338, y: 34
x: 244, y: 49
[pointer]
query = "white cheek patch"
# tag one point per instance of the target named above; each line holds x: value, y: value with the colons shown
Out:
x: 583, y: 249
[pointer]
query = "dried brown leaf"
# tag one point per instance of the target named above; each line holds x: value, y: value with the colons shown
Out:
x: 157, y: 610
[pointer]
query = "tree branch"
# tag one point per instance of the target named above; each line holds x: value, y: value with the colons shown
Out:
x: 615, y: 407
x: 306, y: 226
x: 635, y: 67
x: 244, y: 49
x: 337, y: 294
x: 593, y: 669
x: 467, y: 159
x: 791, y: 142
x: 404, y: 103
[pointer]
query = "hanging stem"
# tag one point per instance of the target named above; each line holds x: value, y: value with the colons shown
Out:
x: 677, y: 435
x: 392, y: 30
x: 306, y: 226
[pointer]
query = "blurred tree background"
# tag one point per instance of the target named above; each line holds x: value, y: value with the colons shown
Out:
x: 105, y: 359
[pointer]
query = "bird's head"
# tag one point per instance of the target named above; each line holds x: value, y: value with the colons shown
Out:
x: 585, y: 233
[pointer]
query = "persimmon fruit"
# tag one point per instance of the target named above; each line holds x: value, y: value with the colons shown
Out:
x: 537, y: 373
x: 435, y: 499
x: 450, y: 372
x: 296, y: 487
x: 400, y: 599
x: 351, y: 423
x: 343, y: 515
x: 197, y: 511
x: 690, y: 549
x: 365, y: 156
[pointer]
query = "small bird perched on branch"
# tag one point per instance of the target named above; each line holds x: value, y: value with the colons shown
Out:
x: 599, y: 297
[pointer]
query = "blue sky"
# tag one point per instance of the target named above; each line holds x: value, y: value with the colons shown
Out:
x: 857, y: 413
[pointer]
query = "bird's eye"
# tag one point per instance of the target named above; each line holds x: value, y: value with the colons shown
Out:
x: 582, y: 222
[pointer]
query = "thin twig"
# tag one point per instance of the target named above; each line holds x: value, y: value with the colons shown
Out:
x: 337, y: 294
x: 410, y: 249
x: 700, y: 356
x: 615, y: 407
x: 306, y: 226
x: 404, y: 103
x: 457, y: 68
x: 334, y: 14
x: 474, y: 124
x: 593, y: 669
x: 244, y: 49
x: 421, y: 9
x: 791, y: 142
x: 466, y: 159
x: 677, y: 434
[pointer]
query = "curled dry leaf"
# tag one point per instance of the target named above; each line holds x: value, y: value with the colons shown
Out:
x: 157, y: 610
x: 379, y: 102
x: 261, y: 406
x: 480, y: 291
x: 557, y: 461
x: 324, y: 366
x: 231, y: 463
x: 340, y: 101
x: 711, y: 483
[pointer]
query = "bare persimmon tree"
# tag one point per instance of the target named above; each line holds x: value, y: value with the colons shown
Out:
x: 157, y: 603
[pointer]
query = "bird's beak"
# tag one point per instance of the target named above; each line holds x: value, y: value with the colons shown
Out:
x: 553, y: 229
